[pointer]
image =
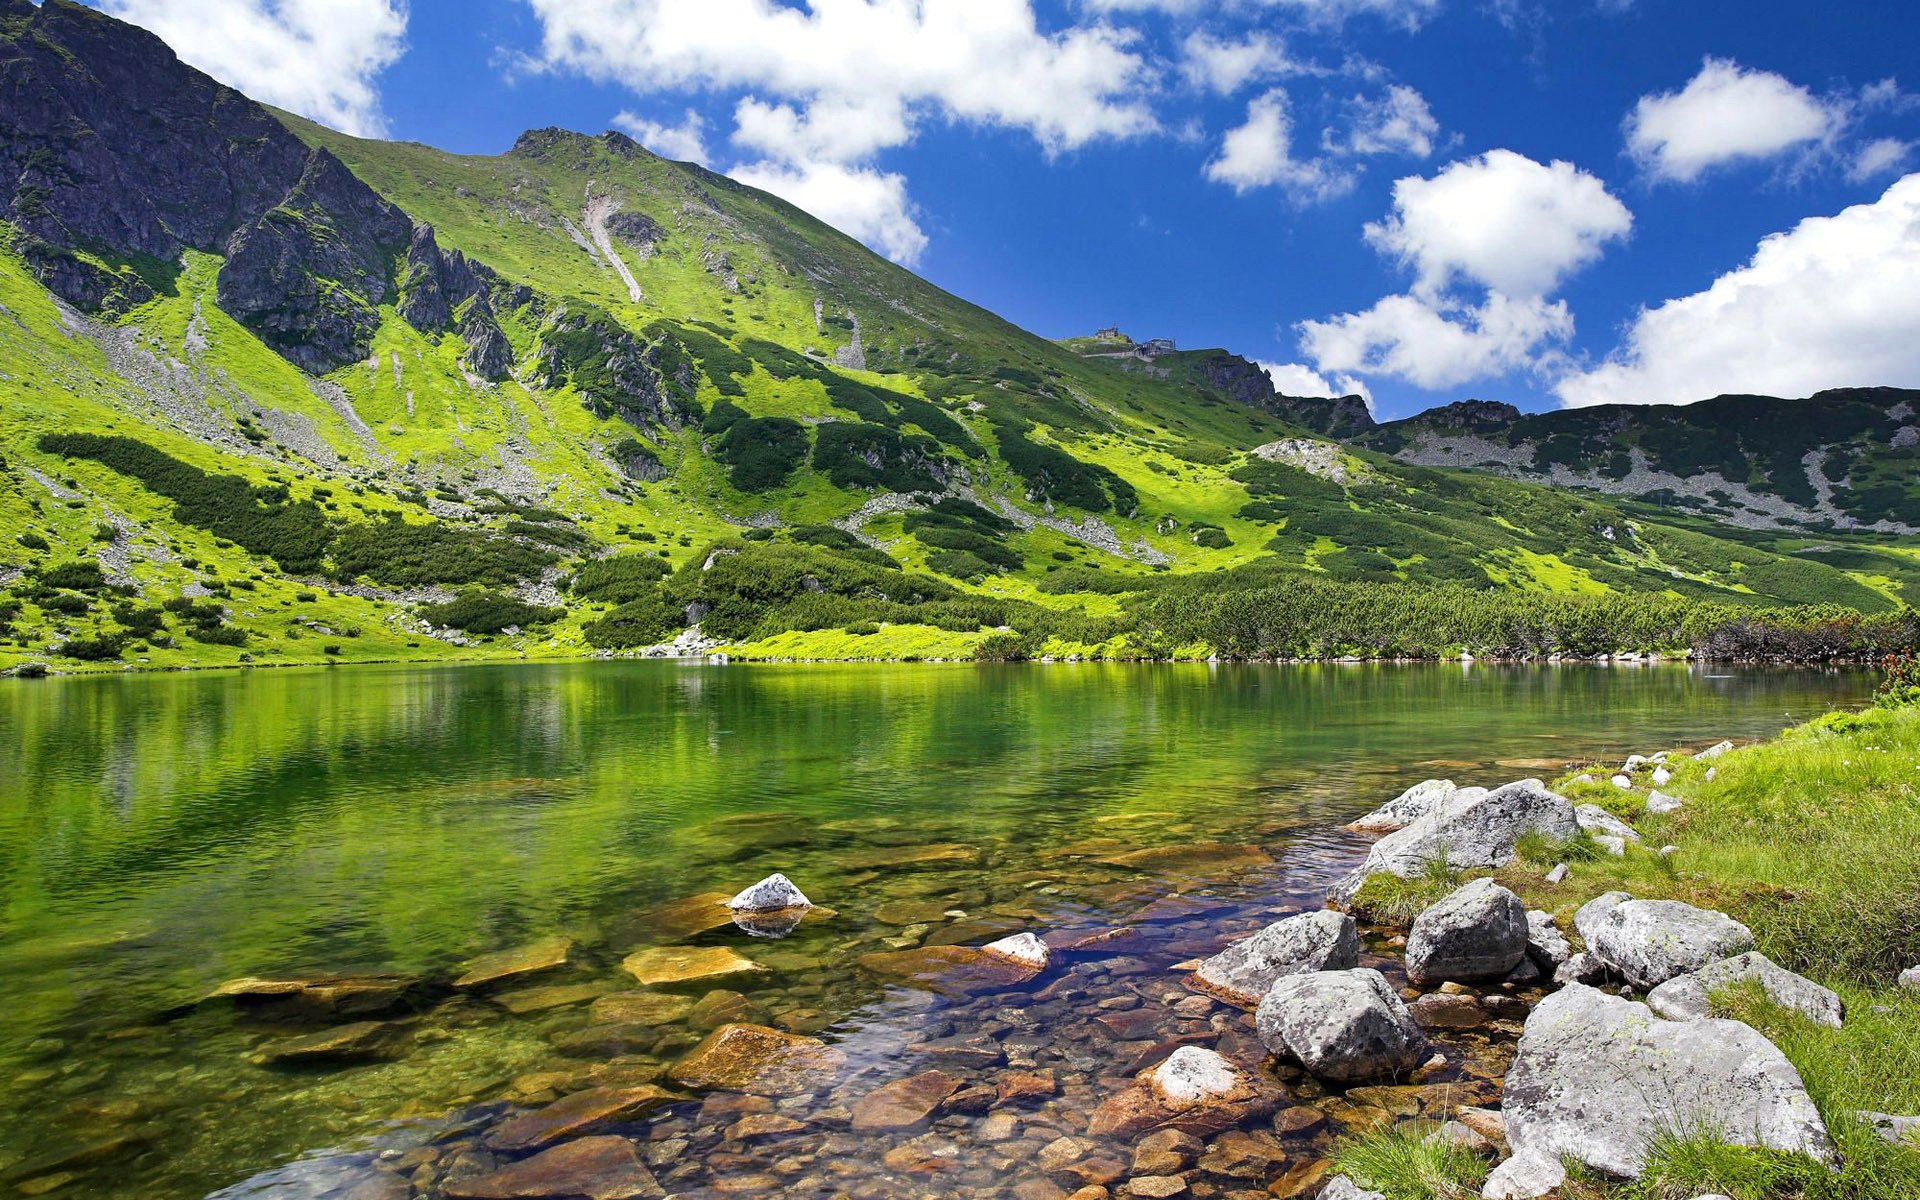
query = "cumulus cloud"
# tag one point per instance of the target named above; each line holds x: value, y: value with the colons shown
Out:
x: 1833, y: 302
x: 1404, y: 14
x: 1259, y: 153
x: 1225, y: 65
x: 861, y: 202
x: 831, y: 84
x: 685, y: 142
x: 1396, y: 122
x: 1438, y: 342
x: 1298, y: 379
x: 1725, y: 114
x: 1500, y: 220
x: 319, y: 58
x: 1488, y: 239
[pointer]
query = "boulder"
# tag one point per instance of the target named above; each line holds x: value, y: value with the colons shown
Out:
x: 1685, y: 997
x: 1193, y: 1090
x: 775, y: 893
x: 1546, y: 945
x: 759, y: 1061
x: 1601, y: 823
x: 1346, y: 1026
x: 1581, y: 968
x: 1648, y: 942
x: 1468, y: 830
x: 1524, y: 1177
x: 1910, y: 978
x: 1623, y: 782
x: 1479, y: 931
x: 1022, y: 949
x: 1595, y: 1078
x: 593, y: 1168
x: 1661, y: 775
x: 1313, y: 941
x: 1587, y: 917
x: 904, y: 1104
x: 1409, y: 806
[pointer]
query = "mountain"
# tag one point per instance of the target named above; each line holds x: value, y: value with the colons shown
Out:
x: 270, y: 393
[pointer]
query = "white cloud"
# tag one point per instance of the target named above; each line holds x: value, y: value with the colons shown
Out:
x: 1833, y: 302
x: 685, y: 142
x: 1500, y: 220
x: 1881, y: 156
x: 318, y: 58
x: 1406, y: 14
x: 1398, y: 122
x: 1225, y: 65
x: 1725, y: 114
x: 838, y: 129
x: 1298, y: 379
x: 1259, y: 154
x: 861, y: 202
x: 1437, y: 343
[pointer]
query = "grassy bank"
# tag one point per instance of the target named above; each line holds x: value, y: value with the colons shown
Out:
x: 1809, y: 839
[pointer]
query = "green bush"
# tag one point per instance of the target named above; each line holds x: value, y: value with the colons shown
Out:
x: 32, y: 541
x: 645, y: 621
x: 478, y: 610
x: 620, y: 579
x: 394, y: 551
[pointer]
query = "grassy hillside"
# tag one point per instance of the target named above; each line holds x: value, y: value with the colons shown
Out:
x: 602, y: 396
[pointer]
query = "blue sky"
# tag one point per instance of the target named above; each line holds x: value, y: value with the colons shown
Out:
x: 1542, y: 201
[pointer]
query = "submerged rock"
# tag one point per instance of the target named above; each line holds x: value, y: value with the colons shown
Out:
x: 547, y: 954
x: 359, y: 1041
x: 1686, y: 997
x: 1596, y: 1078
x: 775, y: 893
x: 1648, y: 942
x: 1198, y: 858
x: 1315, y: 941
x: 1341, y: 1025
x: 593, y: 1168
x: 577, y: 1115
x: 949, y: 970
x: 1477, y: 932
x: 1194, y: 1091
x: 665, y: 966
x: 904, y: 1104
x: 759, y: 1061
x: 320, y: 996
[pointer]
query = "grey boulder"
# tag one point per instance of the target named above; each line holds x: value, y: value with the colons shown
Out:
x: 1524, y: 1177
x: 1648, y: 942
x: 1910, y: 978
x: 1409, y: 806
x: 1479, y: 931
x: 1659, y: 802
x: 1345, y: 1026
x: 1469, y: 829
x: 1685, y: 997
x: 775, y: 893
x: 1587, y: 918
x: 1546, y: 945
x: 1314, y: 941
x: 1601, y: 823
x: 1596, y: 1078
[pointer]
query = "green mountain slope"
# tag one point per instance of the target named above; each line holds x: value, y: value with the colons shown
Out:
x: 381, y: 401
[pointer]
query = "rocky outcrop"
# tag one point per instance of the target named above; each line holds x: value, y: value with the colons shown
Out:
x: 647, y: 383
x: 1346, y: 1026
x: 1315, y: 941
x: 1647, y: 942
x: 1478, y: 932
x: 1468, y: 830
x: 1687, y: 997
x: 443, y: 289
x: 1596, y: 1078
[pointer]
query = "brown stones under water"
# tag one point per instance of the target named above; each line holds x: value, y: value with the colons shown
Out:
x: 950, y: 970
x: 572, y: 1116
x: 665, y: 966
x: 592, y: 1168
x: 756, y: 1059
x: 547, y: 954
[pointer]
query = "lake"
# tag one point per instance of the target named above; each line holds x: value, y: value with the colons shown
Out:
x: 162, y: 835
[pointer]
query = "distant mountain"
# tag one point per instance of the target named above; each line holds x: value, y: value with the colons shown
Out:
x: 275, y: 393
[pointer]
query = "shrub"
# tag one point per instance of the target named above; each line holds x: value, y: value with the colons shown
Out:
x: 477, y: 610
x: 645, y: 621
x: 396, y: 552
x: 32, y: 541
x: 620, y: 579
x: 97, y: 649
x: 218, y: 635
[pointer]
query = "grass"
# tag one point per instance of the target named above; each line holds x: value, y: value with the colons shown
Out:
x: 1401, y: 1163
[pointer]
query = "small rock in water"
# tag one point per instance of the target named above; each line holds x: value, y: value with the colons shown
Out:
x: 1193, y: 1074
x: 758, y: 1061
x: 345, y: 1043
x: 772, y: 894
x: 601, y: 1168
x: 1022, y: 948
x: 547, y: 954
x: 904, y: 1104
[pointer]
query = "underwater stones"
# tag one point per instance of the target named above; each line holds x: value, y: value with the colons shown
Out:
x: 1313, y: 941
x: 360, y: 1041
x: 541, y: 999
x: 904, y: 1104
x: 668, y: 966
x: 592, y: 1168
x: 547, y: 954
x: 577, y: 1115
x: 773, y: 894
x: 319, y: 996
x: 1195, y: 858
x: 1479, y: 931
x: 680, y: 919
x: 948, y: 970
x: 758, y: 1060
x: 938, y: 854
x: 640, y: 1008
x: 1347, y: 1026
x: 1193, y: 1090
x: 1597, y: 1078
x: 1022, y: 949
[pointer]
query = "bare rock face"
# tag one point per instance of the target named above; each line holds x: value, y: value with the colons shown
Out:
x: 1478, y: 932
x: 1686, y: 997
x: 1648, y: 942
x: 1346, y: 1026
x: 1315, y: 941
x: 1596, y: 1077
